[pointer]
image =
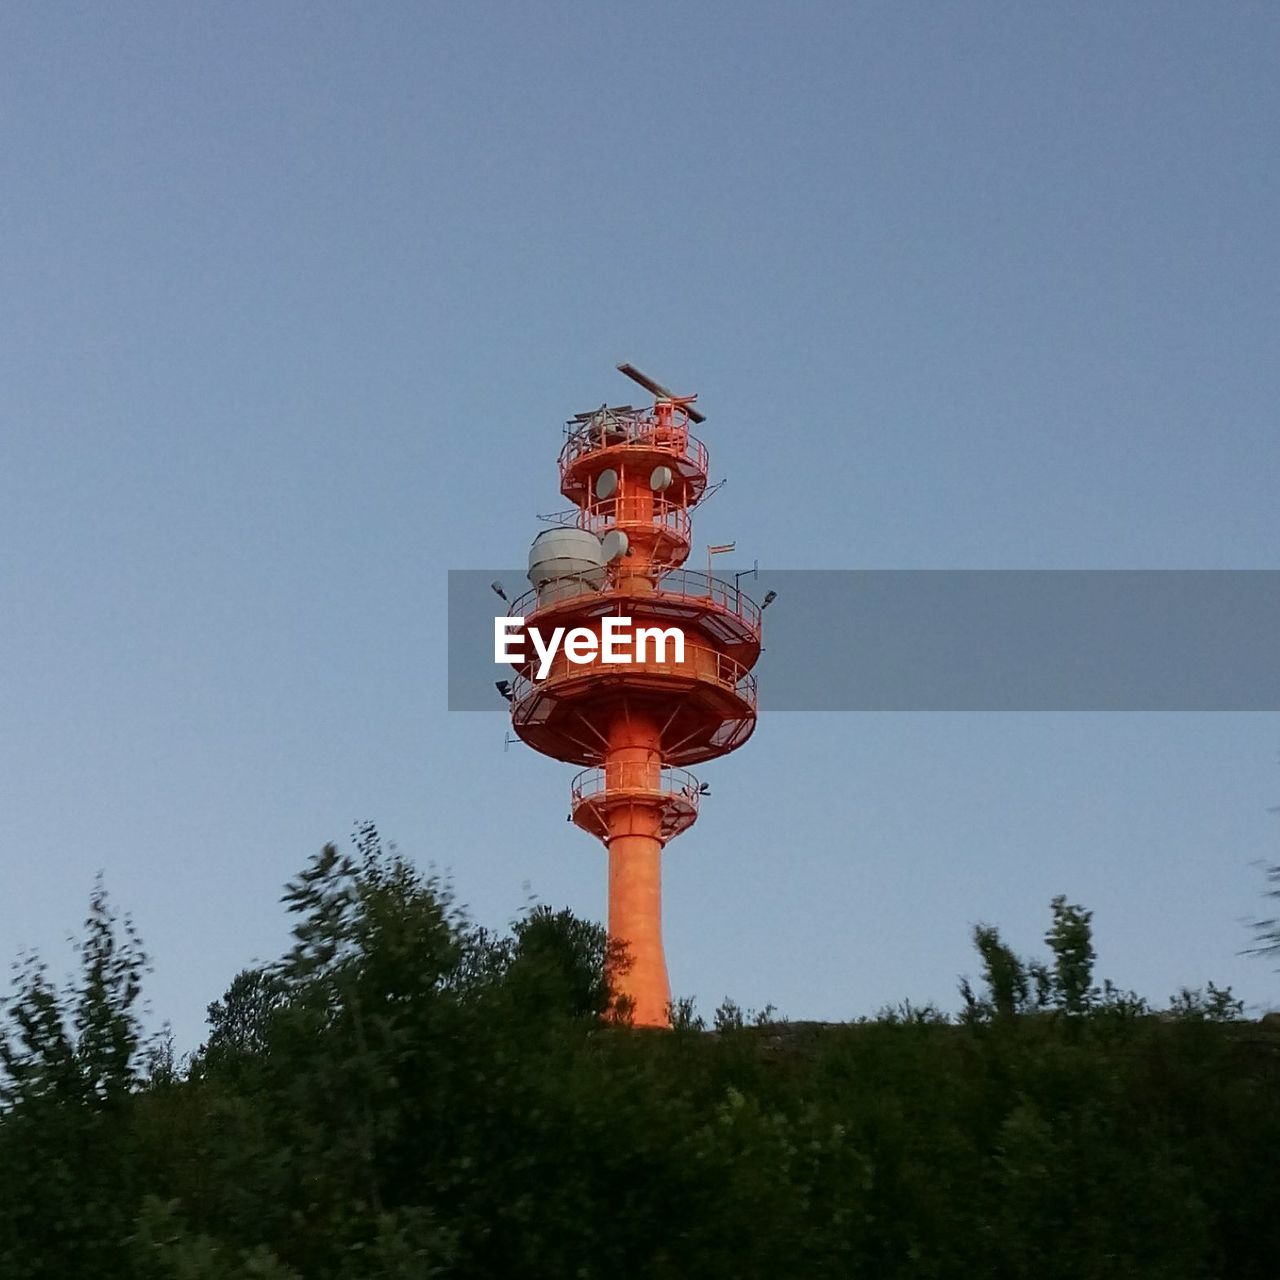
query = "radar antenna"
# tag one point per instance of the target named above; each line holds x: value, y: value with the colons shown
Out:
x: 657, y: 389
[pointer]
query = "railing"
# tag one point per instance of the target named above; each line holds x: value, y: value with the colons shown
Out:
x: 637, y: 430
x: 673, y: 792
x: 694, y: 585
x: 635, y: 775
x: 639, y: 509
x: 689, y: 585
x: 701, y: 663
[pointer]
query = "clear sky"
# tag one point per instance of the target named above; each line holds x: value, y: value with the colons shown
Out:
x: 293, y: 301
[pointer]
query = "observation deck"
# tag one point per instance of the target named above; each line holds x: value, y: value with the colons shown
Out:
x: 713, y: 607
x: 704, y: 706
x: 640, y: 439
x: 596, y: 796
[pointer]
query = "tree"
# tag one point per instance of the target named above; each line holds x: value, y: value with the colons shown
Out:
x: 240, y: 1023
x: 1005, y: 976
x: 1070, y: 939
x: 560, y: 965
x: 71, y: 1062
x: 404, y: 1095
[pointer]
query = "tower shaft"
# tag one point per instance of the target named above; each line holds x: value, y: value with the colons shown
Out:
x: 633, y: 766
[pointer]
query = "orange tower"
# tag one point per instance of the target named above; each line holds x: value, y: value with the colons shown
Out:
x: 633, y: 476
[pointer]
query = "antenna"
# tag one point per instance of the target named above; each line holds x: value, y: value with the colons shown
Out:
x: 659, y: 390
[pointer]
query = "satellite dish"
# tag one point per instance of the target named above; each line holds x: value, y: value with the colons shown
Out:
x: 606, y: 484
x: 615, y: 545
x: 660, y: 478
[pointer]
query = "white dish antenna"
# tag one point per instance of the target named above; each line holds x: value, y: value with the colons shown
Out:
x: 660, y: 478
x: 615, y: 544
x: 606, y: 484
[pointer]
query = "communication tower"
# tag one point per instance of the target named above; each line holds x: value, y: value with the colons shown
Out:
x: 633, y: 476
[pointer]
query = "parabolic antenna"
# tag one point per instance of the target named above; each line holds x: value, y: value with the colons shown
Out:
x: 606, y: 484
x: 614, y: 544
x: 660, y: 478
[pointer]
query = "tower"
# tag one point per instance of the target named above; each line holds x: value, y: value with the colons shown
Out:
x: 633, y: 476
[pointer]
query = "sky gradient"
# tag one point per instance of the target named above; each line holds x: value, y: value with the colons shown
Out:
x: 294, y: 299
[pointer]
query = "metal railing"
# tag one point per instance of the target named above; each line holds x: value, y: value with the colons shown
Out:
x: 701, y: 663
x: 635, y: 775
x: 641, y: 509
x: 637, y: 430
x: 694, y: 585
x: 685, y: 585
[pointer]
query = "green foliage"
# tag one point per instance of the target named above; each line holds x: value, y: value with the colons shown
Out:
x: 1214, y: 1004
x: 163, y: 1249
x: 1064, y: 983
x: 406, y: 1095
x: 558, y: 963
x: 683, y: 1015
x: 239, y: 1023
x: 71, y: 1065
x: 1006, y: 977
x: 1070, y: 938
x: 1005, y: 974
x: 731, y: 1017
x: 728, y: 1017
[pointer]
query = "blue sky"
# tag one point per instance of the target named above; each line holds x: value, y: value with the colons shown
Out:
x: 293, y: 300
